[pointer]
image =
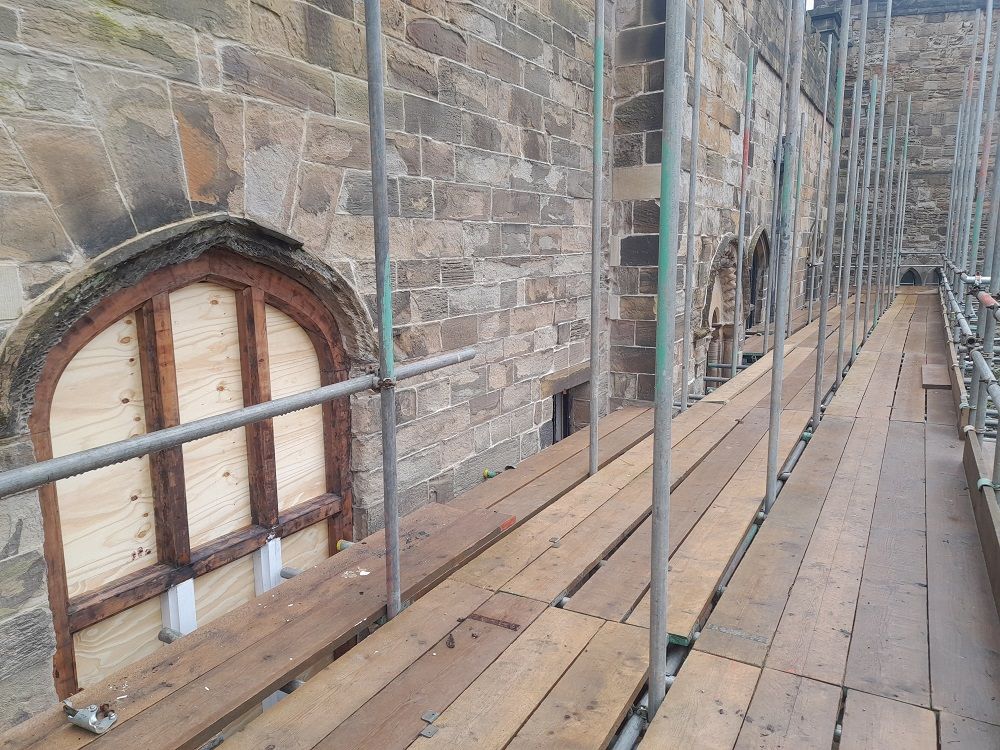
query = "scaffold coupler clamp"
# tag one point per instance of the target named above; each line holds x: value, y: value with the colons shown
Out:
x: 93, y: 718
x: 384, y: 383
x: 986, y: 482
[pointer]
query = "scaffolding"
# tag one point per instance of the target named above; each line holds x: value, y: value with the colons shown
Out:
x: 883, y: 261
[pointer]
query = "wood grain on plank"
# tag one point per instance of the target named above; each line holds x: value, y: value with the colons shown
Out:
x: 334, y: 594
x: 501, y: 562
x: 301, y: 721
x: 491, y: 710
x: 959, y: 733
x: 874, y: 723
x: 705, y: 707
x: 392, y: 718
x: 964, y: 628
x: 586, y: 706
x: 744, y: 621
x: 616, y: 587
x: 935, y: 376
x: 852, y: 389
x: 889, y: 650
x: 788, y: 711
x: 814, y: 632
x: 533, y: 469
x: 699, y: 563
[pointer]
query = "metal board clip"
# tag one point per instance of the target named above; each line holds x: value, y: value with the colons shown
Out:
x: 96, y: 719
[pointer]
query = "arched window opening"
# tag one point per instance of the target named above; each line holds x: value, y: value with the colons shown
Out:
x: 910, y: 278
x: 757, y: 282
x: 189, y: 341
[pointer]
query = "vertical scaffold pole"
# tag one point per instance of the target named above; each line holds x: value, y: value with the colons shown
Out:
x: 890, y: 207
x: 383, y: 294
x: 991, y: 267
x: 973, y: 154
x: 741, y: 242
x: 865, y: 190
x: 951, y: 240
x: 851, y: 208
x: 900, y: 197
x: 984, y: 160
x: 795, y: 220
x: 979, y: 392
x: 813, y: 265
x: 674, y: 103
x: 690, y: 263
x: 772, y: 261
x: 875, y: 311
x: 596, y: 244
x: 784, y: 252
x: 833, y: 182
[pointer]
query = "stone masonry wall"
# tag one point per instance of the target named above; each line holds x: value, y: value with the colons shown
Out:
x: 729, y: 30
x: 929, y: 48
x: 118, y: 117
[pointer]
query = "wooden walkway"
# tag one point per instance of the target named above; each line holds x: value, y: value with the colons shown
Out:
x: 862, y: 602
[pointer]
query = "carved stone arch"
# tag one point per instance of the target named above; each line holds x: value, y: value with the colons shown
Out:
x: 723, y: 270
x: 43, y: 326
x: 911, y: 277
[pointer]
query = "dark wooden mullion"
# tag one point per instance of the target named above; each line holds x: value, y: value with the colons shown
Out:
x: 159, y: 386
x: 256, y: 376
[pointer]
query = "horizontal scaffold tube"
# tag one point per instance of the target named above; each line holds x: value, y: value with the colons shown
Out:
x: 43, y: 472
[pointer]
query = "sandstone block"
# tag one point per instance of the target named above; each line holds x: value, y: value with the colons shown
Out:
x: 461, y: 202
x: 316, y: 203
x: 468, y: 384
x: 534, y: 146
x: 410, y: 69
x: 14, y: 174
x: 210, y: 127
x: 72, y: 168
x: 429, y: 304
x: 8, y: 24
x: 511, y: 205
x: 437, y: 159
x: 473, y: 299
x: 525, y: 109
x: 459, y: 332
x: 414, y: 341
x: 223, y: 18
x: 482, y: 167
x: 462, y: 87
x: 416, y: 197
x: 107, y: 34
x: 333, y: 42
x: 485, y: 407
x: 434, y: 120
x: 277, y: 79
x: 40, y: 87
x: 433, y: 36
x: 24, y: 582
x: 30, y: 231
x: 26, y: 693
x: 340, y: 143
x: 356, y: 194
x: 352, y: 102
x: 494, y: 61
x: 273, y: 141
x: 480, y: 239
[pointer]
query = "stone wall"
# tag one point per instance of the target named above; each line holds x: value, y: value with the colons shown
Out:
x: 730, y: 29
x: 929, y: 48
x: 118, y: 117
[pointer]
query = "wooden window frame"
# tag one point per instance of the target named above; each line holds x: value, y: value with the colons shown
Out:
x: 255, y: 285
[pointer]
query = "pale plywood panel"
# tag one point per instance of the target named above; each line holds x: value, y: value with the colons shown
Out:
x: 306, y: 548
x: 224, y: 589
x: 113, y: 643
x: 207, y: 360
x: 299, y: 454
x: 106, y: 515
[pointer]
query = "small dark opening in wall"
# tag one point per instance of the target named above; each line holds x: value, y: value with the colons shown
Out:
x: 562, y: 409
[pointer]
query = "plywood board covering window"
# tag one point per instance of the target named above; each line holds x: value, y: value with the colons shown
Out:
x: 189, y: 341
x: 300, y: 460
x: 99, y: 399
x: 207, y: 365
